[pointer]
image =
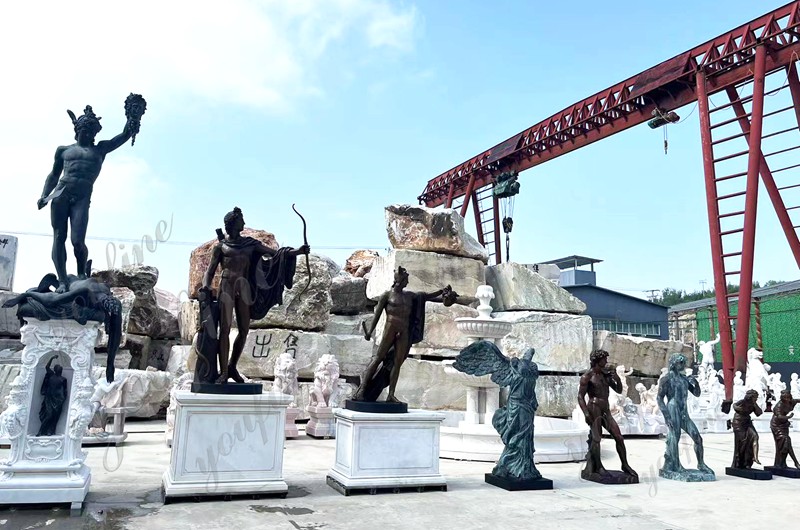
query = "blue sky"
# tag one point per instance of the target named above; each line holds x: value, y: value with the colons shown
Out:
x: 344, y: 107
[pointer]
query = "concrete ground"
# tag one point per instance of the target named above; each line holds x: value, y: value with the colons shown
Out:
x: 126, y: 482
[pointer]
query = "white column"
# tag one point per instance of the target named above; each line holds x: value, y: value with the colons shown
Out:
x: 472, y: 415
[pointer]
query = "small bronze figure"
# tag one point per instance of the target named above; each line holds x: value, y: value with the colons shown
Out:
x: 405, y: 326
x: 515, y: 469
x: 68, y: 187
x: 673, y: 389
x: 249, y: 284
x: 745, y: 439
x: 779, y: 424
x: 54, y: 395
x: 596, y: 383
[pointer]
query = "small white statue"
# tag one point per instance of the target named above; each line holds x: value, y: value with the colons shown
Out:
x: 707, y: 351
x: 739, y: 389
x: 623, y: 377
x: 286, y: 377
x: 326, y: 391
x: 757, y: 377
x: 794, y: 386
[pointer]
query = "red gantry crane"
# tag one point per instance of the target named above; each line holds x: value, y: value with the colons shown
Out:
x: 736, y: 64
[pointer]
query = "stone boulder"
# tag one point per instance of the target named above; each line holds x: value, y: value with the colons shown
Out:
x: 562, y: 341
x: 201, y: 257
x: 349, y: 295
x: 141, y: 279
x: 263, y: 347
x: 427, y: 272
x: 122, y: 360
x: 425, y: 385
x: 177, y: 364
x: 557, y: 395
x: 127, y: 298
x: 360, y: 262
x: 518, y: 288
x: 9, y: 323
x: 431, y: 230
x: 440, y: 328
x: 307, y: 312
x: 154, y: 312
x: 189, y: 319
x: 11, y: 351
x: 346, y: 324
x: 646, y: 356
x: 144, y: 392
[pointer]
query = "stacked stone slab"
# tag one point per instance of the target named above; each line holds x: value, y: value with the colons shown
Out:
x: 646, y: 356
x: 10, y: 345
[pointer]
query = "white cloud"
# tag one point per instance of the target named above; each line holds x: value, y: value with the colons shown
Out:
x: 256, y: 54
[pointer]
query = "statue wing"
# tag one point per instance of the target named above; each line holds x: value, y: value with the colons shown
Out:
x: 482, y: 358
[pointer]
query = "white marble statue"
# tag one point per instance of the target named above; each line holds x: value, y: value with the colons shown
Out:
x: 286, y: 377
x: 106, y: 396
x: 623, y: 376
x: 776, y: 386
x: 739, y: 389
x: 707, y: 351
x: 326, y: 391
x: 794, y: 386
x: 757, y: 377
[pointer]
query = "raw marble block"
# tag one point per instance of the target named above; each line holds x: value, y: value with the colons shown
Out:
x: 227, y: 445
x: 8, y: 261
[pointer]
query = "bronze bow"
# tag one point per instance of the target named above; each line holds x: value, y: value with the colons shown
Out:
x: 308, y: 262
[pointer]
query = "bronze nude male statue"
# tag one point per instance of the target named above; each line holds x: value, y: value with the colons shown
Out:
x: 404, y: 327
x: 596, y: 383
x: 779, y: 425
x: 68, y: 187
x: 249, y: 284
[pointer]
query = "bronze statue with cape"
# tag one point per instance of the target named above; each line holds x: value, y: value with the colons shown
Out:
x: 514, y: 421
x: 745, y: 439
x: 250, y: 285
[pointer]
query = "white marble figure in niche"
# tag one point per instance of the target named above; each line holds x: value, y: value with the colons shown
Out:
x: 286, y: 377
x: 326, y: 391
x: 706, y: 349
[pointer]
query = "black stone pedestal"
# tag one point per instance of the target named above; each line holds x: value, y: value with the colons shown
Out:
x: 378, y: 407
x: 610, y: 477
x: 519, y: 485
x: 788, y: 472
x: 752, y: 474
x: 227, y: 388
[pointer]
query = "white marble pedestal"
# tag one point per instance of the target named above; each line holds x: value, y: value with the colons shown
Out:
x: 227, y: 445
x: 291, y: 427
x: 386, y: 451
x: 49, y: 469
x: 321, y: 423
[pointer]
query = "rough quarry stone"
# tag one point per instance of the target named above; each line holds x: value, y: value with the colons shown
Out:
x: 425, y: 385
x: 360, y: 262
x: 308, y: 312
x: 122, y: 360
x: 645, y: 356
x: 427, y: 272
x: 562, y: 342
x: 349, y: 295
x: 127, y: 299
x: 346, y: 324
x: 9, y: 323
x: 431, y: 230
x: 177, y: 364
x: 518, y: 288
x: 201, y: 257
x: 144, y: 392
x: 154, y: 312
x: 10, y: 350
x: 189, y: 319
x: 440, y: 327
x: 141, y: 279
x: 263, y: 346
x: 557, y: 395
